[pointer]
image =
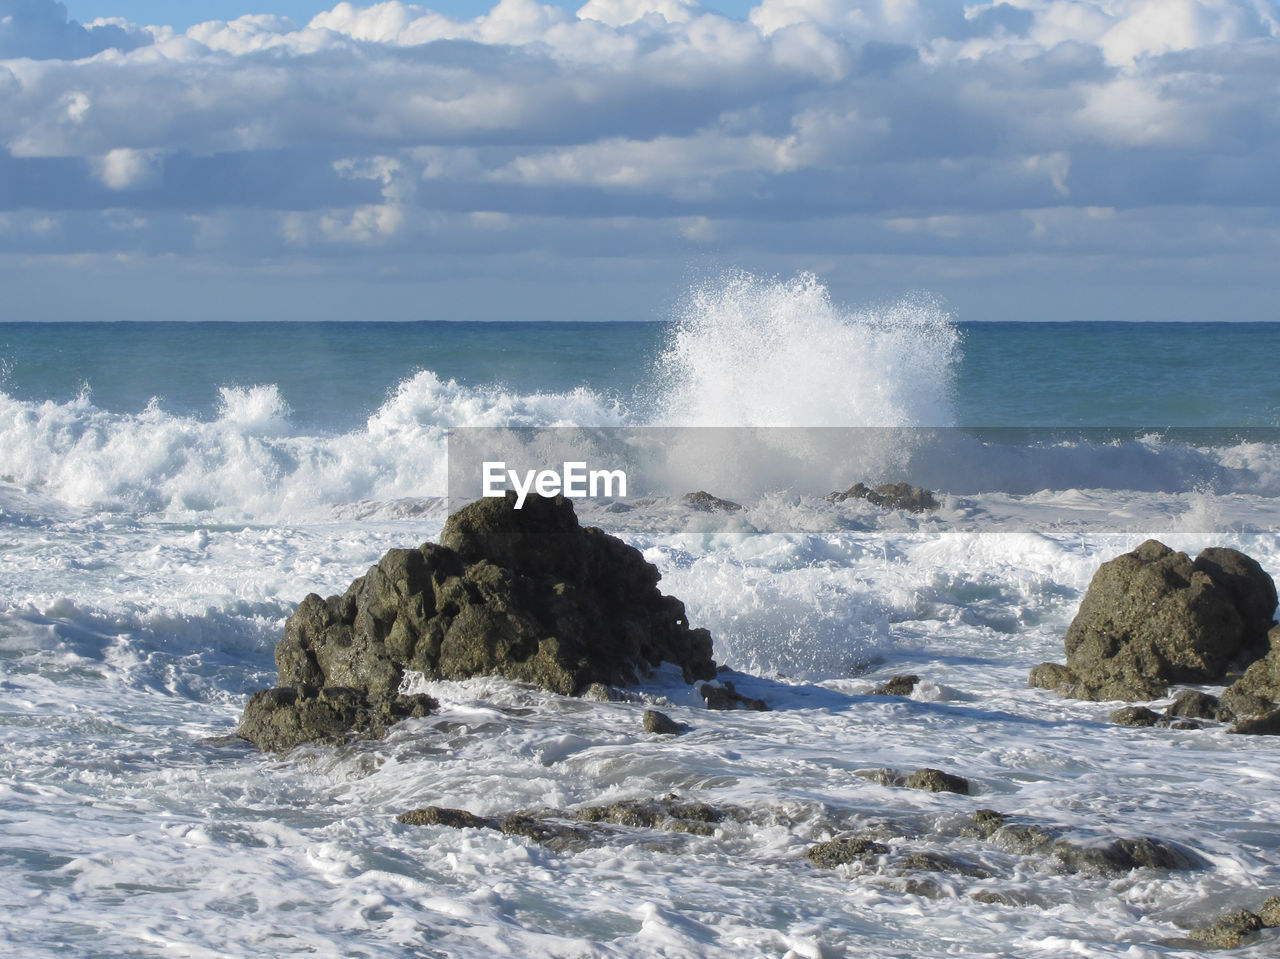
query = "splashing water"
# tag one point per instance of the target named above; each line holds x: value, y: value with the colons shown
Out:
x: 749, y: 351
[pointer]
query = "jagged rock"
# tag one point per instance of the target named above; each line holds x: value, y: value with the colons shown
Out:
x: 660, y: 723
x: 1193, y: 704
x: 838, y: 852
x: 444, y: 816
x: 936, y: 781
x: 276, y: 720
x: 1268, y: 724
x: 1135, y: 716
x: 1227, y: 932
x: 523, y: 593
x: 726, y: 697
x: 897, y: 686
x: 1154, y: 617
x: 1269, y: 912
x: 704, y: 501
x: 902, y: 496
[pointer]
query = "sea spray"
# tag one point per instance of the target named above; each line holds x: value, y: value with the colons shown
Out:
x: 751, y: 351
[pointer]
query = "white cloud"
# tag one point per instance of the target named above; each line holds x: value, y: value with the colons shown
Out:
x: 126, y: 169
x: 927, y: 124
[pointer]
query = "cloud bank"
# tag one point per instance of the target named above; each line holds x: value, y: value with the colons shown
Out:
x: 966, y: 135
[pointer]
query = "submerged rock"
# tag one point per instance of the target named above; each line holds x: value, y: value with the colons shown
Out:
x: 528, y: 594
x: 1135, y: 716
x: 840, y: 852
x: 1227, y: 932
x: 1154, y: 617
x: 904, y: 496
x: 726, y: 697
x: 660, y: 723
x: 444, y: 816
x: 936, y: 781
x: 897, y: 686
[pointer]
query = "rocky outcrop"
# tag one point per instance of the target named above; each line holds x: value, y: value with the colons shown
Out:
x: 706, y: 503
x: 1154, y: 617
x: 523, y: 593
x: 901, y: 496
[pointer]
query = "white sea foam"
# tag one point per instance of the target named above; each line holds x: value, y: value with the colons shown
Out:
x: 148, y: 562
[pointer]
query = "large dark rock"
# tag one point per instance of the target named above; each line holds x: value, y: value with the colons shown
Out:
x: 1154, y: 617
x: 528, y: 594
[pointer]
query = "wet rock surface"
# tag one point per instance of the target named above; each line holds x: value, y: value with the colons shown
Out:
x: 660, y: 724
x: 528, y: 594
x: 705, y: 502
x: 897, y: 686
x: 903, y: 496
x: 1154, y: 617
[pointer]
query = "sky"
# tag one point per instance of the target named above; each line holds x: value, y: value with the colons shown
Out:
x: 280, y: 159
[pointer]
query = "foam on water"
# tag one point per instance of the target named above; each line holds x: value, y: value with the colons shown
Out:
x: 149, y: 559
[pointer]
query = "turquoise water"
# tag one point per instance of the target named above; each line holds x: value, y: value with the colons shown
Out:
x: 334, y: 375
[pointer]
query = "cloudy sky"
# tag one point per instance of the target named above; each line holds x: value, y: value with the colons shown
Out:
x: 259, y: 159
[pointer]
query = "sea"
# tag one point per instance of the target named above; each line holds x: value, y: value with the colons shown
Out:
x: 170, y: 491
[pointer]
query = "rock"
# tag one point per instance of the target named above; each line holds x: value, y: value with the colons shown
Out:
x: 1262, y: 678
x: 936, y: 862
x: 1192, y: 704
x: 1269, y: 912
x: 523, y: 593
x: 1135, y: 716
x: 726, y: 697
x: 984, y: 823
x: 1227, y: 932
x: 1267, y: 724
x: 839, y: 852
x: 276, y: 720
x: 1185, y: 724
x: 1053, y: 676
x: 671, y: 813
x: 936, y: 781
x: 599, y: 693
x: 1244, y: 705
x: 897, y: 686
x: 1025, y: 838
x: 560, y: 836
x: 443, y: 816
x: 902, y: 496
x: 1154, y: 617
x: 1124, y: 855
x: 660, y: 723
x: 704, y: 501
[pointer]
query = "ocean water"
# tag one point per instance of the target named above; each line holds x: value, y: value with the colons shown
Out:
x: 169, y: 492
